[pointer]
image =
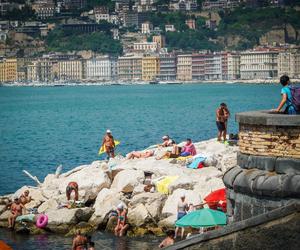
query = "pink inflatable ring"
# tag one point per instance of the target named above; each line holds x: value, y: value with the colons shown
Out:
x: 42, y: 221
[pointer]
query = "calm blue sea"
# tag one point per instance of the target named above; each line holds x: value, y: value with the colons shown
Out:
x: 42, y: 127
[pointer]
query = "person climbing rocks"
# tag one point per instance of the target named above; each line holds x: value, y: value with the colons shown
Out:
x: 72, y: 186
x: 109, y: 144
x: 122, y: 225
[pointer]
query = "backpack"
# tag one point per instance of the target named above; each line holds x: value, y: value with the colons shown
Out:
x: 295, y: 91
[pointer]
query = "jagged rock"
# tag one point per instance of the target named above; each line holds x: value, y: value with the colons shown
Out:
x: 2, y: 208
x: 170, y: 207
x: 183, y: 182
x: 126, y: 180
x: 205, y: 188
x: 106, y: 201
x: 4, y: 218
x: 138, y: 189
x: 60, y: 219
x: 138, y: 216
x: 50, y: 204
x: 168, y: 223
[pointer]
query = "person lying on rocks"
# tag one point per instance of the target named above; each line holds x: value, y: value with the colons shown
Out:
x: 121, y: 226
x: 186, y: 150
x: 25, y: 198
x: 16, y: 210
x: 72, y: 186
x: 169, y: 240
x: 80, y: 242
x: 140, y: 154
x: 167, y: 141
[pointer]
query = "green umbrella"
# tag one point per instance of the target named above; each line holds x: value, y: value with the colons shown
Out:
x: 205, y: 217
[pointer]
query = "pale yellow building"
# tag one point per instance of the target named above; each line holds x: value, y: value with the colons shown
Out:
x: 184, y: 67
x: 259, y: 64
x: 234, y: 61
x: 289, y: 63
x: 130, y: 68
x: 160, y: 40
x: 150, y: 68
x: 8, y: 70
x: 70, y: 70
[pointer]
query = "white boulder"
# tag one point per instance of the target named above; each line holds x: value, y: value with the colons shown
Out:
x: 138, y: 216
x: 125, y: 181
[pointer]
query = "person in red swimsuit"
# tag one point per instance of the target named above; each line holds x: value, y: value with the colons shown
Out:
x: 16, y: 210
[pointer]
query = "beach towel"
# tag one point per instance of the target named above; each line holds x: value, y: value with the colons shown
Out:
x: 26, y: 217
x: 183, y: 158
x: 196, y: 162
x: 163, y: 185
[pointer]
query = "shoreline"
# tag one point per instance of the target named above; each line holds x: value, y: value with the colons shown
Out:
x: 102, y: 186
x: 128, y: 83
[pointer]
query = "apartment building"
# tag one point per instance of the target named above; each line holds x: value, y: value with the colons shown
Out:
x: 220, y: 4
x: 44, y: 8
x: 102, y: 68
x: 130, y: 68
x: 69, y: 70
x: 234, y: 60
x: 8, y: 69
x: 145, y: 47
x: 41, y: 70
x: 198, y: 66
x: 289, y: 63
x: 213, y: 66
x: 150, y: 68
x: 160, y: 40
x: 101, y: 13
x: 259, y: 64
x: 167, y: 67
x: 147, y: 27
x: 184, y: 67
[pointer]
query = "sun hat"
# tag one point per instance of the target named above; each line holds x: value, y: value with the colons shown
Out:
x: 165, y: 137
x: 108, y: 131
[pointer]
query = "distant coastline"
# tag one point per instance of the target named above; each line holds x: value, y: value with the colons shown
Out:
x: 109, y: 83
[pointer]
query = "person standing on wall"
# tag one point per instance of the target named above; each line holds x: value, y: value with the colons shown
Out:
x: 222, y: 116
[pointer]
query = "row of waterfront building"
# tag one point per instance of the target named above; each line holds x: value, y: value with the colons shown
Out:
x: 263, y: 63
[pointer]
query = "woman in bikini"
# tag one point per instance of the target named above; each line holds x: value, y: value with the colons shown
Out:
x: 121, y: 227
x: 16, y: 210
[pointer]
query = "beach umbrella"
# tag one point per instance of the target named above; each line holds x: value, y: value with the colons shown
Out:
x: 205, y: 217
x: 217, y: 199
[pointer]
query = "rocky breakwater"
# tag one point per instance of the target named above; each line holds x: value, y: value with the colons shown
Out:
x: 267, y: 175
x: 102, y: 186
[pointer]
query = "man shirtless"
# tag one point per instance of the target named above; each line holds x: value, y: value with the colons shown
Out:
x: 25, y: 198
x: 16, y: 210
x: 169, y: 240
x: 109, y: 144
x: 222, y: 116
x: 80, y: 242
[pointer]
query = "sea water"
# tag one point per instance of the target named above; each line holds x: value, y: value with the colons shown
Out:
x: 41, y: 128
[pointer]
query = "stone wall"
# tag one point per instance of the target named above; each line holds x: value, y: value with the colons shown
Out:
x: 277, y: 141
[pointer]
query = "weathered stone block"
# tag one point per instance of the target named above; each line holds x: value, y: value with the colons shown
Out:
x: 287, y: 166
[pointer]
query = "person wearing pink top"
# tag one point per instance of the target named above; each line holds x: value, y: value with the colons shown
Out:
x: 188, y: 148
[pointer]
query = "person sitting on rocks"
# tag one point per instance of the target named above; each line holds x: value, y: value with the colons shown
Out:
x: 169, y: 240
x: 167, y: 141
x: 182, y: 209
x: 25, y: 198
x: 16, y: 210
x: 140, y: 154
x: 186, y: 150
x: 121, y: 226
x: 79, y: 242
x: 72, y: 186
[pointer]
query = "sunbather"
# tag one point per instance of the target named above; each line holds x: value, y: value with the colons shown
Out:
x: 140, y: 154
